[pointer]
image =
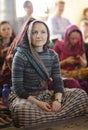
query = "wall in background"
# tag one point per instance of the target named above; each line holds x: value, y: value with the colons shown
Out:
x: 73, y: 8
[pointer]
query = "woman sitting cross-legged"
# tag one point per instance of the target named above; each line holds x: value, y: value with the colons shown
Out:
x: 33, y: 66
x: 73, y: 58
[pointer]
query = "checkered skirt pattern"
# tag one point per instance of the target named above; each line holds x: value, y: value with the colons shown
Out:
x: 27, y: 114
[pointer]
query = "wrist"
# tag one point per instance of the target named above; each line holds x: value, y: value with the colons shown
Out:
x: 58, y: 100
x: 33, y: 99
x: 30, y: 98
x: 65, y: 61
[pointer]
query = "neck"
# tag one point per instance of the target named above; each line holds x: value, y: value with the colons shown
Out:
x: 58, y: 13
x: 29, y: 16
x: 39, y: 49
x: 6, y: 40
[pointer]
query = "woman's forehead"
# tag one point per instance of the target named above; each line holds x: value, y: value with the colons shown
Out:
x: 39, y: 26
x: 75, y: 34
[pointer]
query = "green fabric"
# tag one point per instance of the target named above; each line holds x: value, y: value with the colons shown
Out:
x: 51, y: 44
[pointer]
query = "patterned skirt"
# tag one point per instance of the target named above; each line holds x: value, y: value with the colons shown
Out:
x: 28, y: 114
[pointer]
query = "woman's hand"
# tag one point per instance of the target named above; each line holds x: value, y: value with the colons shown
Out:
x: 56, y: 106
x: 81, y: 59
x: 45, y: 106
x: 70, y: 60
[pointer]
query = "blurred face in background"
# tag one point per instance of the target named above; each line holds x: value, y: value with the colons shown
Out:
x: 29, y: 9
x: 59, y: 7
x: 5, y: 30
x: 84, y: 28
x: 86, y: 13
x: 74, y: 37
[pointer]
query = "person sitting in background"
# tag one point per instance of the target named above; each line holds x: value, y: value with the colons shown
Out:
x: 84, y: 29
x: 6, y: 37
x: 85, y: 14
x: 57, y: 24
x: 72, y: 56
x: 28, y: 7
x: 33, y: 67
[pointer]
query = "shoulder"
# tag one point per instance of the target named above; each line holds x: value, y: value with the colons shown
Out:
x: 51, y: 17
x: 59, y: 43
x: 20, y: 53
x: 66, y: 20
x: 52, y: 53
x: 21, y: 19
x: 58, y: 46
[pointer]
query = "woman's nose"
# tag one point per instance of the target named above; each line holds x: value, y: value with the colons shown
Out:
x: 38, y: 34
x: 7, y: 30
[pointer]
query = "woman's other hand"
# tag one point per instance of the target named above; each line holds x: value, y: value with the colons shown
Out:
x: 45, y: 106
x: 81, y: 59
x: 70, y: 60
x: 56, y: 106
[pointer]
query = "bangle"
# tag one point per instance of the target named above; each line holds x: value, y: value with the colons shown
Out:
x: 58, y: 100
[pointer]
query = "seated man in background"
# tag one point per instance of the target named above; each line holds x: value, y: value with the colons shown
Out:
x: 28, y: 7
x: 57, y: 24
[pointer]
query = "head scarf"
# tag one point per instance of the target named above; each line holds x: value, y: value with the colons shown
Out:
x: 67, y: 47
x: 27, y: 43
x: 16, y: 41
x: 24, y: 41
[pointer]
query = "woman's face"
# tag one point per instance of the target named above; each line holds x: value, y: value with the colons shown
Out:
x: 74, y: 38
x: 86, y: 14
x: 39, y: 35
x: 5, y: 30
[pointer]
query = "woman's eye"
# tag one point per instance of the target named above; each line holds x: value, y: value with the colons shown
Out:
x: 43, y: 32
x: 35, y: 32
x: 3, y: 29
